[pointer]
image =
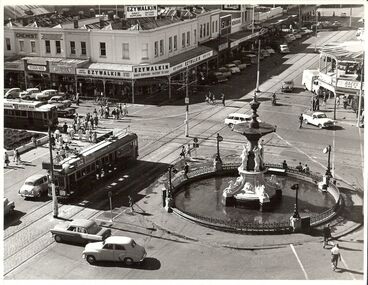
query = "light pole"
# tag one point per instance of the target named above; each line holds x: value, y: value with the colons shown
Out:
x: 219, y: 139
x: 327, y: 149
x: 360, y: 91
x: 259, y: 52
x: 186, y: 104
x: 315, y: 43
x: 53, y: 192
x: 296, y: 212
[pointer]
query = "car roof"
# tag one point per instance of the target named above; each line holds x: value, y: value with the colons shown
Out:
x: 319, y: 113
x: 35, y: 177
x: 118, y: 240
x: 239, y: 115
x: 56, y: 97
x: 82, y: 223
x: 49, y: 90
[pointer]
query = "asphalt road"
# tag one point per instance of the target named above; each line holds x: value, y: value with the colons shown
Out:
x: 30, y: 253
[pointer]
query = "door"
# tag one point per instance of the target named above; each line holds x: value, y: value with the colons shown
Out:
x: 120, y: 252
x: 106, y: 253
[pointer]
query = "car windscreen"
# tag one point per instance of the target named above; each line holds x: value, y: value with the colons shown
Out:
x: 322, y: 116
x: 31, y: 183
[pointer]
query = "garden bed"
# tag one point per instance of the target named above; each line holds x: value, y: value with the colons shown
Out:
x: 15, y: 138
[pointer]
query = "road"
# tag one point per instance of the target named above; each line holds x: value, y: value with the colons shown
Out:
x: 30, y: 253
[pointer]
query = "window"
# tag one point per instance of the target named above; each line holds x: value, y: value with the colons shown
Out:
x: 175, y: 42
x: 48, y: 47
x: 72, y: 47
x: 102, y: 49
x: 213, y: 27
x: 216, y: 26
x: 204, y: 30
x: 161, y: 47
x: 21, y: 46
x: 8, y: 46
x: 170, y: 44
x: 58, y: 46
x: 108, y: 246
x: 200, y: 32
x: 208, y: 29
x: 119, y: 247
x: 33, y: 46
x: 188, y: 38
x: 83, y: 48
x: 183, y: 40
x: 156, y: 49
x: 195, y: 36
x: 125, y: 50
x: 145, y: 51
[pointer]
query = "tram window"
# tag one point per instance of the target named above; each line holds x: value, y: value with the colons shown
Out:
x: 79, y: 174
x: 37, y: 115
x: 23, y: 113
x: 17, y: 113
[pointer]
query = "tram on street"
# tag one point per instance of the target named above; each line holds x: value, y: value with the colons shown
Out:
x: 29, y: 115
x: 80, y: 171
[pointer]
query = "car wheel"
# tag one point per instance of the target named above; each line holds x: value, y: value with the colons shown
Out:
x: 58, y: 238
x: 320, y: 126
x: 230, y: 125
x: 128, y: 261
x: 91, y: 259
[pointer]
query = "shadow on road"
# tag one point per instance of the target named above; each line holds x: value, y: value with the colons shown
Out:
x: 149, y: 263
x: 13, y: 219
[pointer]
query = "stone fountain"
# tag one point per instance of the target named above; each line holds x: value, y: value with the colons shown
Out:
x: 251, y: 188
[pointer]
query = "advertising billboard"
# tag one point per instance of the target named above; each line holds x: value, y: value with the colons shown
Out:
x: 141, y: 11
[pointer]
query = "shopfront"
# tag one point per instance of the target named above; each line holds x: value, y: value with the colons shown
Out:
x: 37, y: 72
x: 14, y: 74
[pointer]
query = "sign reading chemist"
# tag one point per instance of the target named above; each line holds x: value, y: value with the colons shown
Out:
x: 141, y: 11
x: 154, y: 70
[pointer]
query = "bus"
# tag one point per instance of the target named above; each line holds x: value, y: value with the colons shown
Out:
x: 80, y: 171
x: 29, y: 115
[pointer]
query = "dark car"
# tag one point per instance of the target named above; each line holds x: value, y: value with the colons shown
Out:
x: 216, y: 77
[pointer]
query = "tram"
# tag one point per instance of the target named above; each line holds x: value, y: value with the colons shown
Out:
x: 79, y: 172
x: 29, y: 115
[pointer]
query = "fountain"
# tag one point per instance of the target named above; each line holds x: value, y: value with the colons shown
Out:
x: 251, y: 187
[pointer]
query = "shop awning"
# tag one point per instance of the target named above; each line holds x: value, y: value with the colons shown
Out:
x: 349, y: 51
x: 15, y: 65
x: 218, y: 44
x: 278, y: 21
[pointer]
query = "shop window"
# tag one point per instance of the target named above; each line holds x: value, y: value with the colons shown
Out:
x: 145, y: 51
x: 183, y: 40
x: 21, y: 46
x: 125, y: 50
x: 204, y: 30
x: 156, y: 49
x: 175, y: 42
x: 188, y: 38
x: 8, y: 45
x: 170, y: 44
x: 58, y: 46
x: 102, y: 49
x: 195, y: 36
x: 83, y: 48
x: 161, y: 47
x: 208, y: 29
x: 72, y: 47
x: 33, y: 46
x: 48, y: 46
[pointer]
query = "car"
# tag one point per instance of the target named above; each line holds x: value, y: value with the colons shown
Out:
x: 60, y: 100
x: 233, y: 68
x: 239, y: 64
x: 46, y: 94
x: 216, y: 77
x: 250, y: 59
x: 336, y: 25
x: 12, y: 93
x: 80, y: 231
x: 304, y: 31
x: 66, y: 112
x: 29, y: 94
x: 34, y: 186
x: 9, y: 206
x: 265, y: 53
x: 297, y: 35
x: 270, y: 50
x: 318, y: 119
x: 284, y: 49
x: 226, y: 72
x: 287, y: 86
x: 236, y: 118
x: 115, y: 248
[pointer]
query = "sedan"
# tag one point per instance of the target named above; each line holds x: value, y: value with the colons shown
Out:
x: 12, y: 93
x: 60, y: 100
x: 30, y: 93
x: 233, y: 68
x: 226, y: 72
x: 284, y: 49
x: 287, y: 86
x: 216, y: 77
x: 265, y: 53
x: 80, y: 231
x: 239, y: 64
x: 46, y: 94
x: 270, y: 50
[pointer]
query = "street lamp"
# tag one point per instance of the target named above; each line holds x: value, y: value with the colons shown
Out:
x: 296, y: 212
x: 219, y: 139
x: 259, y: 52
x: 186, y: 104
x: 327, y: 149
x: 53, y: 192
x: 315, y: 43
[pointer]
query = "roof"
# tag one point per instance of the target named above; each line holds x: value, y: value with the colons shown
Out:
x: 35, y: 177
x: 349, y: 51
x: 82, y: 223
x: 24, y: 11
x: 118, y: 240
x: 110, y: 66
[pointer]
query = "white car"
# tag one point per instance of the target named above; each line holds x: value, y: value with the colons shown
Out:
x: 233, y: 68
x: 12, y: 93
x: 29, y: 93
x: 60, y: 100
x: 318, y: 119
x: 115, y: 248
x: 284, y: 49
x: 46, y: 94
x: 236, y: 118
x: 34, y: 186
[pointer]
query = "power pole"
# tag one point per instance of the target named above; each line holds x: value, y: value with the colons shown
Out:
x: 186, y: 104
x: 360, y: 91
x: 55, y: 209
x: 259, y: 53
x: 315, y: 43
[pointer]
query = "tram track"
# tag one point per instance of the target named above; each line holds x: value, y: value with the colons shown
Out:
x: 146, y: 151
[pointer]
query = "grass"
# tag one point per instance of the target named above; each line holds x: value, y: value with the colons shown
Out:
x: 16, y: 138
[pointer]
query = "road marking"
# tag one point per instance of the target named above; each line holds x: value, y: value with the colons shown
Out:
x: 346, y: 267
x: 37, y: 157
x: 300, y: 263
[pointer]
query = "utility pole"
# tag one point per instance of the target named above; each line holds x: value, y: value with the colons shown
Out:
x: 315, y: 43
x: 186, y: 104
x: 351, y: 12
x: 55, y: 208
x: 360, y: 91
x: 259, y: 53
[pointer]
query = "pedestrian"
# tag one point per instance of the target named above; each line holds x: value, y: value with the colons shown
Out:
x: 94, y: 137
x: 77, y: 99
x: 212, y: 98
x: 338, y: 101
x: 34, y: 141
x: 300, y: 121
x: 182, y: 153
x: 96, y: 121
x: 52, y: 141
x: 131, y: 203
x: 117, y: 113
x: 317, y: 104
x: 313, y: 103
x: 188, y: 150
x: 325, y: 98
x: 284, y: 165
x: 125, y: 110
x: 17, y: 156
x: 207, y: 99
x: 6, y: 159
x: 299, y: 167
x: 326, y: 235
x: 223, y: 99
x: 306, y: 169
x: 95, y: 112
x: 186, y: 169
x: 335, y: 256
x: 65, y: 128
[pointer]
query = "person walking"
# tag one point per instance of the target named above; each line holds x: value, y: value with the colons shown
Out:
x: 300, y: 121
x: 77, y: 99
x: 335, y: 256
x: 131, y: 203
x: 6, y: 159
x: 223, y: 99
x: 125, y: 110
x: 326, y: 235
x: 17, y: 156
x: 182, y: 153
x: 284, y: 165
x: 34, y: 141
x: 186, y: 170
x: 188, y: 150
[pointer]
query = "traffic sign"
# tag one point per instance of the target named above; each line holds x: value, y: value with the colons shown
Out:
x: 220, y: 138
x: 186, y: 100
x: 195, y: 140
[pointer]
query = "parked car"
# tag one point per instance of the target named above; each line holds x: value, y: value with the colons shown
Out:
x: 239, y: 64
x: 46, y: 94
x: 284, y: 49
x: 60, y: 100
x: 318, y: 119
x: 8, y: 206
x: 287, y: 86
x: 250, y: 59
x: 12, y: 93
x: 115, y: 248
x: 233, y: 68
x: 236, y: 118
x: 265, y: 53
x: 305, y: 31
x: 297, y: 35
x: 289, y: 38
x: 270, y: 50
x: 216, y: 77
x: 66, y: 112
x: 29, y: 94
x: 34, y: 186
x: 80, y: 231
x: 226, y: 72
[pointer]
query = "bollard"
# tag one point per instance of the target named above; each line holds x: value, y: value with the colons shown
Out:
x: 164, y: 191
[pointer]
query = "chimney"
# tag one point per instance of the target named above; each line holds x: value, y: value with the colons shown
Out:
x: 75, y: 23
x: 101, y: 23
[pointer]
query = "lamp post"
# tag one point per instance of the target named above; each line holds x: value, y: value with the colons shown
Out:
x: 315, y: 43
x: 170, y: 183
x: 186, y: 104
x: 259, y: 52
x: 360, y: 92
x: 327, y: 149
x: 296, y: 212
x: 53, y: 192
x: 219, y: 139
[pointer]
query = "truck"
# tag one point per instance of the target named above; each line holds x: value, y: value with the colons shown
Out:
x: 310, y: 80
x: 318, y: 119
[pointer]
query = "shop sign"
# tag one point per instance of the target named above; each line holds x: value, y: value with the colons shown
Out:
x: 235, y: 21
x: 230, y: 7
x: 143, y: 71
x: 61, y: 68
x: 225, y: 25
x: 103, y: 73
x: 141, y: 11
x: 39, y: 68
x: 15, y: 65
x: 52, y: 37
x: 191, y: 61
x: 26, y: 36
x: 349, y: 84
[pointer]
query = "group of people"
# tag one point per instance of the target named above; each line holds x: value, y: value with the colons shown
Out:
x: 119, y: 111
x: 210, y: 98
x: 304, y: 169
x: 185, y: 151
x: 16, y: 157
